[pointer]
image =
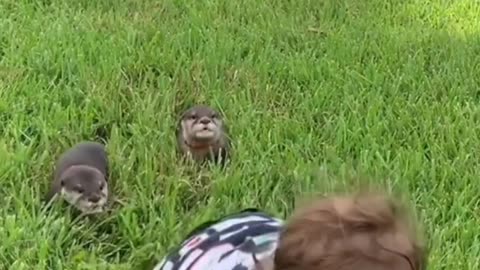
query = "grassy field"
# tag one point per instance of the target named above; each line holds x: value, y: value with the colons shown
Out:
x: 386, y: 91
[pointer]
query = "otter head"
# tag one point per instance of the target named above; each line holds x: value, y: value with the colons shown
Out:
x: 201, y: 125
x: 85, y: 188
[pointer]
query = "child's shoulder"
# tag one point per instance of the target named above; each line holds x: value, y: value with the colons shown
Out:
x: 236, y: 239
x: 250, y: 217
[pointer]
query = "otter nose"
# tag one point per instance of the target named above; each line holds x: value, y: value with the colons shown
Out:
x: 94, y: 198
x: 205, y: 120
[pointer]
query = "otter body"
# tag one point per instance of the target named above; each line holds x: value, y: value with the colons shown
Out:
x: 202, y: 135
x: 80, y: 177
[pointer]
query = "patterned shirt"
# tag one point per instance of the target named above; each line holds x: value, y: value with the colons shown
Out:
x: 236, y: 242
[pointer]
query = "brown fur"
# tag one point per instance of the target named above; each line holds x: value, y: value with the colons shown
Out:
x: 364, y: 232
x: 216, y: 147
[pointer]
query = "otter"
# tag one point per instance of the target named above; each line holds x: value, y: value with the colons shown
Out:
x: 202, y: 135
x: 80, y: 177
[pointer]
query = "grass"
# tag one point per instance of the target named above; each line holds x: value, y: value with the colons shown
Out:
x: 386, y: 90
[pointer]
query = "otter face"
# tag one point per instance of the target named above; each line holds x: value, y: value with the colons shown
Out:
x: 85, y: 188
x: 201, y: 124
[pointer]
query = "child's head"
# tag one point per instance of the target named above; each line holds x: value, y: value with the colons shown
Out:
x: 362, y: 232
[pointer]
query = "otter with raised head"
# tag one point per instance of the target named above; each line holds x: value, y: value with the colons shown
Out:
x: 80, y: 177
x: 202, y: 135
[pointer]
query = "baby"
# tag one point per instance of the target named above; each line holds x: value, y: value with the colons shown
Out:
x: 359, y: 232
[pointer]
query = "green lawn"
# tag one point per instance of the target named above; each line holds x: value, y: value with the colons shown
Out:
x: 382, y: 90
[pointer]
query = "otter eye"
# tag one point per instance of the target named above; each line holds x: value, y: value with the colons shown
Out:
x: 214, y: 116
x: 193, y: 117
x: 102, y: 186
x: 79, y: 189
x: 62, y: 183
